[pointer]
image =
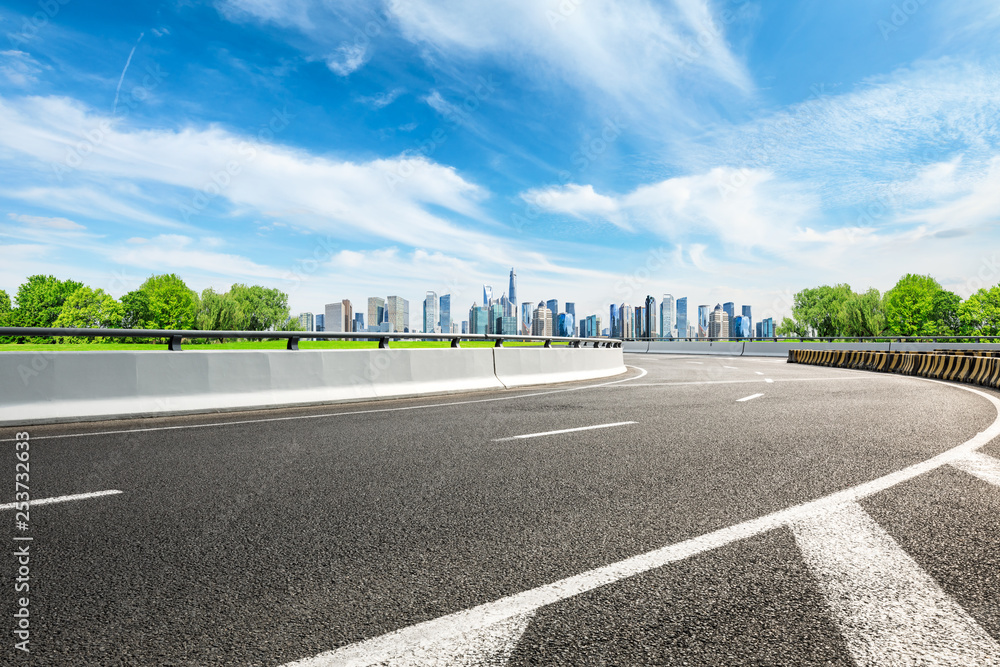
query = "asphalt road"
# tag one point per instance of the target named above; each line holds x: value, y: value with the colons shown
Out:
x: 271, y: 537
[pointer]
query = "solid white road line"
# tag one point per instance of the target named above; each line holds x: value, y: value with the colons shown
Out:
x: 732, y: 368
x: 982, y: 466
x: 643, y: 373
x: 700, y: 363
x: 451, y: 628
x: 890, y: 612
x: 64, y: 499
x: 758, y: 372
x: 862, y: 376
x: 768, y: 380
x: 563, y: 430
x: 748, y: 398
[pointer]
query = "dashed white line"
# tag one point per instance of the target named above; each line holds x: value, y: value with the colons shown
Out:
x: 769, y: 380
x: 890, y: 612
x: 562, y: 430
x: 732, y: 368
x: 748, y: 398
x: 700, y: 363
x: 63, y: 499
x: 758, y: 372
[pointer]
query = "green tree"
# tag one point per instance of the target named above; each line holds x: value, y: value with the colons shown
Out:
x: 39, y: 301
x: 790, y: 327
x: 6, y: 315
x: 218, y: 312
x: 919, y: 306
x: 862, y: 314
x: 262, y: 308
x: 817, y: 308
x: 90, y: 309
x: 980, y: 313
x: 171, y: 304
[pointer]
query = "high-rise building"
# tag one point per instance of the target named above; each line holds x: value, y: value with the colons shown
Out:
x: 398, y: 314
x: 742, y: 327
x: 667, y: 316
x: 505, y: 326
x: 718, y: 323
x: 640, y: 321
x: 541, y: 321
x: 526, y: 318
x: 682, y: 317
x: 487, y: 296
x: 649, y: 316
x: 465, y: 326
x: 334, y: 317
x: 306, y: 321
x: 444, y: 316
x: 566, y: 324
x: 512, y: 291
x: 494, y: 311
x: 571, y: 310
x: 704, y: 312
x: 746, y: 314
x: 768, y: 327
x: 319, y: 321
x: 477, y: 320
x: 359, y: 322
x: 627, y: 314
x: 376, y: 312
x: 616, y: 321
x: 553, y: 306
x: 430, y: 312
x: 730, y: 309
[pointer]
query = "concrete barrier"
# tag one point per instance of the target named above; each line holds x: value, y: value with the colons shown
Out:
x: 724, y: 348
x: 518, y: 367
x: 74, y: 386
x: 635, y: 345
x: 941, y: 364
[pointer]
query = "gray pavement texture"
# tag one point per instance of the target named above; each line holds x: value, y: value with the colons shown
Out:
x: 262, y: 538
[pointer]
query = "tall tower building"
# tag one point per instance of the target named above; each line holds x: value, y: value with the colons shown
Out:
x: 526, y: 318
x: 445, y: 313
x: 306, y: 321
x: 682, y: 317
x: 746, y: 314
x: 730, y: 308
x: 616, y: 321
x: 571, y: 310
x: 512, y: 288
x: 430, y: 312
x: 398, y: 314
x: 487, y: 296
x: 541, y: 321
x: 376, y: 312
x: 718, y: 323
x: 334, y: 319
x: 628, y: 320
x: 649, y: 317
x: 704, y: 312
x: 553, y: 306
x: 667, y: 316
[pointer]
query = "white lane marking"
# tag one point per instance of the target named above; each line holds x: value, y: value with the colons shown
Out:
x: 490, y: 645
x: 769, y: 380
x: 758, y: 372
x: 379, y: 650
x: 700, y: 363
x: 890, y: 612
x: 862, y: 375
x: 732, y: 368
x: 982, y: 466
x: 642, y: 374
x: 64, y: 499
x: 562, y: 430
x: 748, y: 398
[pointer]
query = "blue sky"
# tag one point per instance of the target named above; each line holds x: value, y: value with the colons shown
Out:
x: 724, y: 151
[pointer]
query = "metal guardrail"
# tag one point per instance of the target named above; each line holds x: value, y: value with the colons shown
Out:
x: 175, y: 336
x: 822, y: 339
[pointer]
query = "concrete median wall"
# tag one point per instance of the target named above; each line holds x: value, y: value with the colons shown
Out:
x: 954, y: 364
x: 781, y: 349
x: 75, y: 386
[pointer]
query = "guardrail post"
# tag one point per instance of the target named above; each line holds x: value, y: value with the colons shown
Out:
x: 548, y: 343
x: 174, y: 344
x: 499, y: 342
x: 383, y: 343
x: 455, y: 342
x: 293, y: 343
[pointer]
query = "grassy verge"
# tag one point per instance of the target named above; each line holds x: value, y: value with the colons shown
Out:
x: 247, y: 345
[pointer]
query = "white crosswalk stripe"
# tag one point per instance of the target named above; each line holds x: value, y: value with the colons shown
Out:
x: 980, y: 465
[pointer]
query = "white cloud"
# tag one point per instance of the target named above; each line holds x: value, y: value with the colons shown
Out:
x: 381, y: 100
x: 579, y: 201
x: 179, y: 253
x: 35, y: 221
x: 19, y: 68
x: 346, y: 59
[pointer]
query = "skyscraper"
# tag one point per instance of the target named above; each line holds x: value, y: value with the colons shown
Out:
x: 746, y: 314
x: 398, y: 313
x: 526, y: 318
x: 334, y: 317
x: 477, y: 320
x: 553, y: 306
x: 306, y: 321
x: 541, y: 321
x: 627, y: 314
x: 512, y: 290
x: 616, y: 321
x: 682, y: 317
x: 566, y: 324
x: 359, y: 322
x: 320, y: 320
x: 430, y: 312
x: 667, y: 316
x: 445, y: 313
x: 718, y: 323
x: 487, y: 296
x: 649, y: 315
x: 730, y: 308
x: 376, y: 312
x: 704, y: 311
x: 571, y: 310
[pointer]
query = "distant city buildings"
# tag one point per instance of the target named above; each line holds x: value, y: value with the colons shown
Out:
x: 318, y: 321
x: 541, y: 320
x: 398, y: 316
x: 682, y: 318
x: 730, y: 308
x: 431, y: 319
x: 667, y: 316
x: 718, y: 323
x: 306, y: 321
x: 526, y: 318
x: 444, y: 314
x: 339, y: 316
x: 704, y: 312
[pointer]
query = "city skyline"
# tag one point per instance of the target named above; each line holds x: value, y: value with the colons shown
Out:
x: 395, y: 148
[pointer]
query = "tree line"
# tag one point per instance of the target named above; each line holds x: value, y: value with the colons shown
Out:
x: 916, y: 306
x: 161, y: 302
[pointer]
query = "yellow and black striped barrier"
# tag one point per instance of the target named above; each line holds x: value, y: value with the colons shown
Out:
x: 980, y: 367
